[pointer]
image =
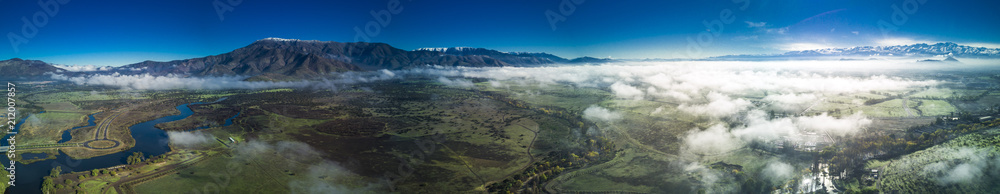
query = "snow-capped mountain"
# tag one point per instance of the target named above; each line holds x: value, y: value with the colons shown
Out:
x: 279, y: 57
x: 947, y: 48
x: 447, y: 49
x: 915, y: 50
x: 524, y: 58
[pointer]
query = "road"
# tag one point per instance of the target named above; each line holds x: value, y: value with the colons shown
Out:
x: 102, y: 133
x: 907, y: 108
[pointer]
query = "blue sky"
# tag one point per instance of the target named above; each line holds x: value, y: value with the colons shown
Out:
x: 122, y: 32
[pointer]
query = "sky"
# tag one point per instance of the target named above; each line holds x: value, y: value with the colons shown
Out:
x: 118, y: 32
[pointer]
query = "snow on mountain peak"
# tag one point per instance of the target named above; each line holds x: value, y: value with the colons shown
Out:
x: 445, y: 49
x: 285, y: 40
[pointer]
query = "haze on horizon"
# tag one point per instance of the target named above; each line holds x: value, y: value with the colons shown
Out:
x: 114, y: 33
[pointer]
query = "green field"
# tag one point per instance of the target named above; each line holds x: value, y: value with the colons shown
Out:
x: 47, y: 128
x: 936, y: 108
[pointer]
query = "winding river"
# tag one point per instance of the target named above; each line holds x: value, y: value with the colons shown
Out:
x: 149, y: 140
x: 66, y: 134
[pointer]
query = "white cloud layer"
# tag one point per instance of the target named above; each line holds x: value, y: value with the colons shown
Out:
x: 83, y: 68
x: 458, y: 82
x: 167, y: 82
x: 719, y: 106
x: 626, y: 91
x: 791, y: 102
x: 711, y: 141
x: 964, y: 165
x: 190, y: 139
x: 833, y: 126
x: 597, y: 113
x: 778, y: 172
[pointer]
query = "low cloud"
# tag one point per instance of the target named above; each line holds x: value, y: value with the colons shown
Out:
x: 84, y: 68
x: 457, y: 82
x: 626, y: 91
x: 965, y: 165
x: 791, y: 102
x: 777, y: 171
x: 759, y: 127
x: 711, y: 141
x: 388, y: 73
x: 190, y: 139
x: 681, y: 81
x: 597, y: 113
x: 150, y: 82
x: 826, y: 124
x: 756, y: 126
x: 322, y: 178
x: 709, y: 178
x: 320, y: 175
x: 719, y: 105
x: 168, y: 82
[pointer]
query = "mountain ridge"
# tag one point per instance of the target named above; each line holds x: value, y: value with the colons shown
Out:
x: 303, y: 58
x: 913, y: 50
x: 278, y: 58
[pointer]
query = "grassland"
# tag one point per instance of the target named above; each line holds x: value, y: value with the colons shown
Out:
x: 47, y: 128
x: 5, y: 179
x: 891, y: 108
x: 49, y: 154
x: 936, y: 108
x: 205, y: 115
x: 238, y: 175
x: 486, y: 138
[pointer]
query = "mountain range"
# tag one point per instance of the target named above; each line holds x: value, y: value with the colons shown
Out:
x: 276, y: 58
x: 17, y: 67
x: 280, y: 59
x: 916, y: 50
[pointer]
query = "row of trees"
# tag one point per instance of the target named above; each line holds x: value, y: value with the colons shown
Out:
x: 49, y: 185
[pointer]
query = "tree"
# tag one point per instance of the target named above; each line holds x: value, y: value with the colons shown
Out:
x: 869, y: 190
x: 94, y: 172
x: 55, y: 171
x: 135, y: 158
x: 48, y: 185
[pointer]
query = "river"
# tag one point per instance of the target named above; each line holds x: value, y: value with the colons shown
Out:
x: 151, y: 141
